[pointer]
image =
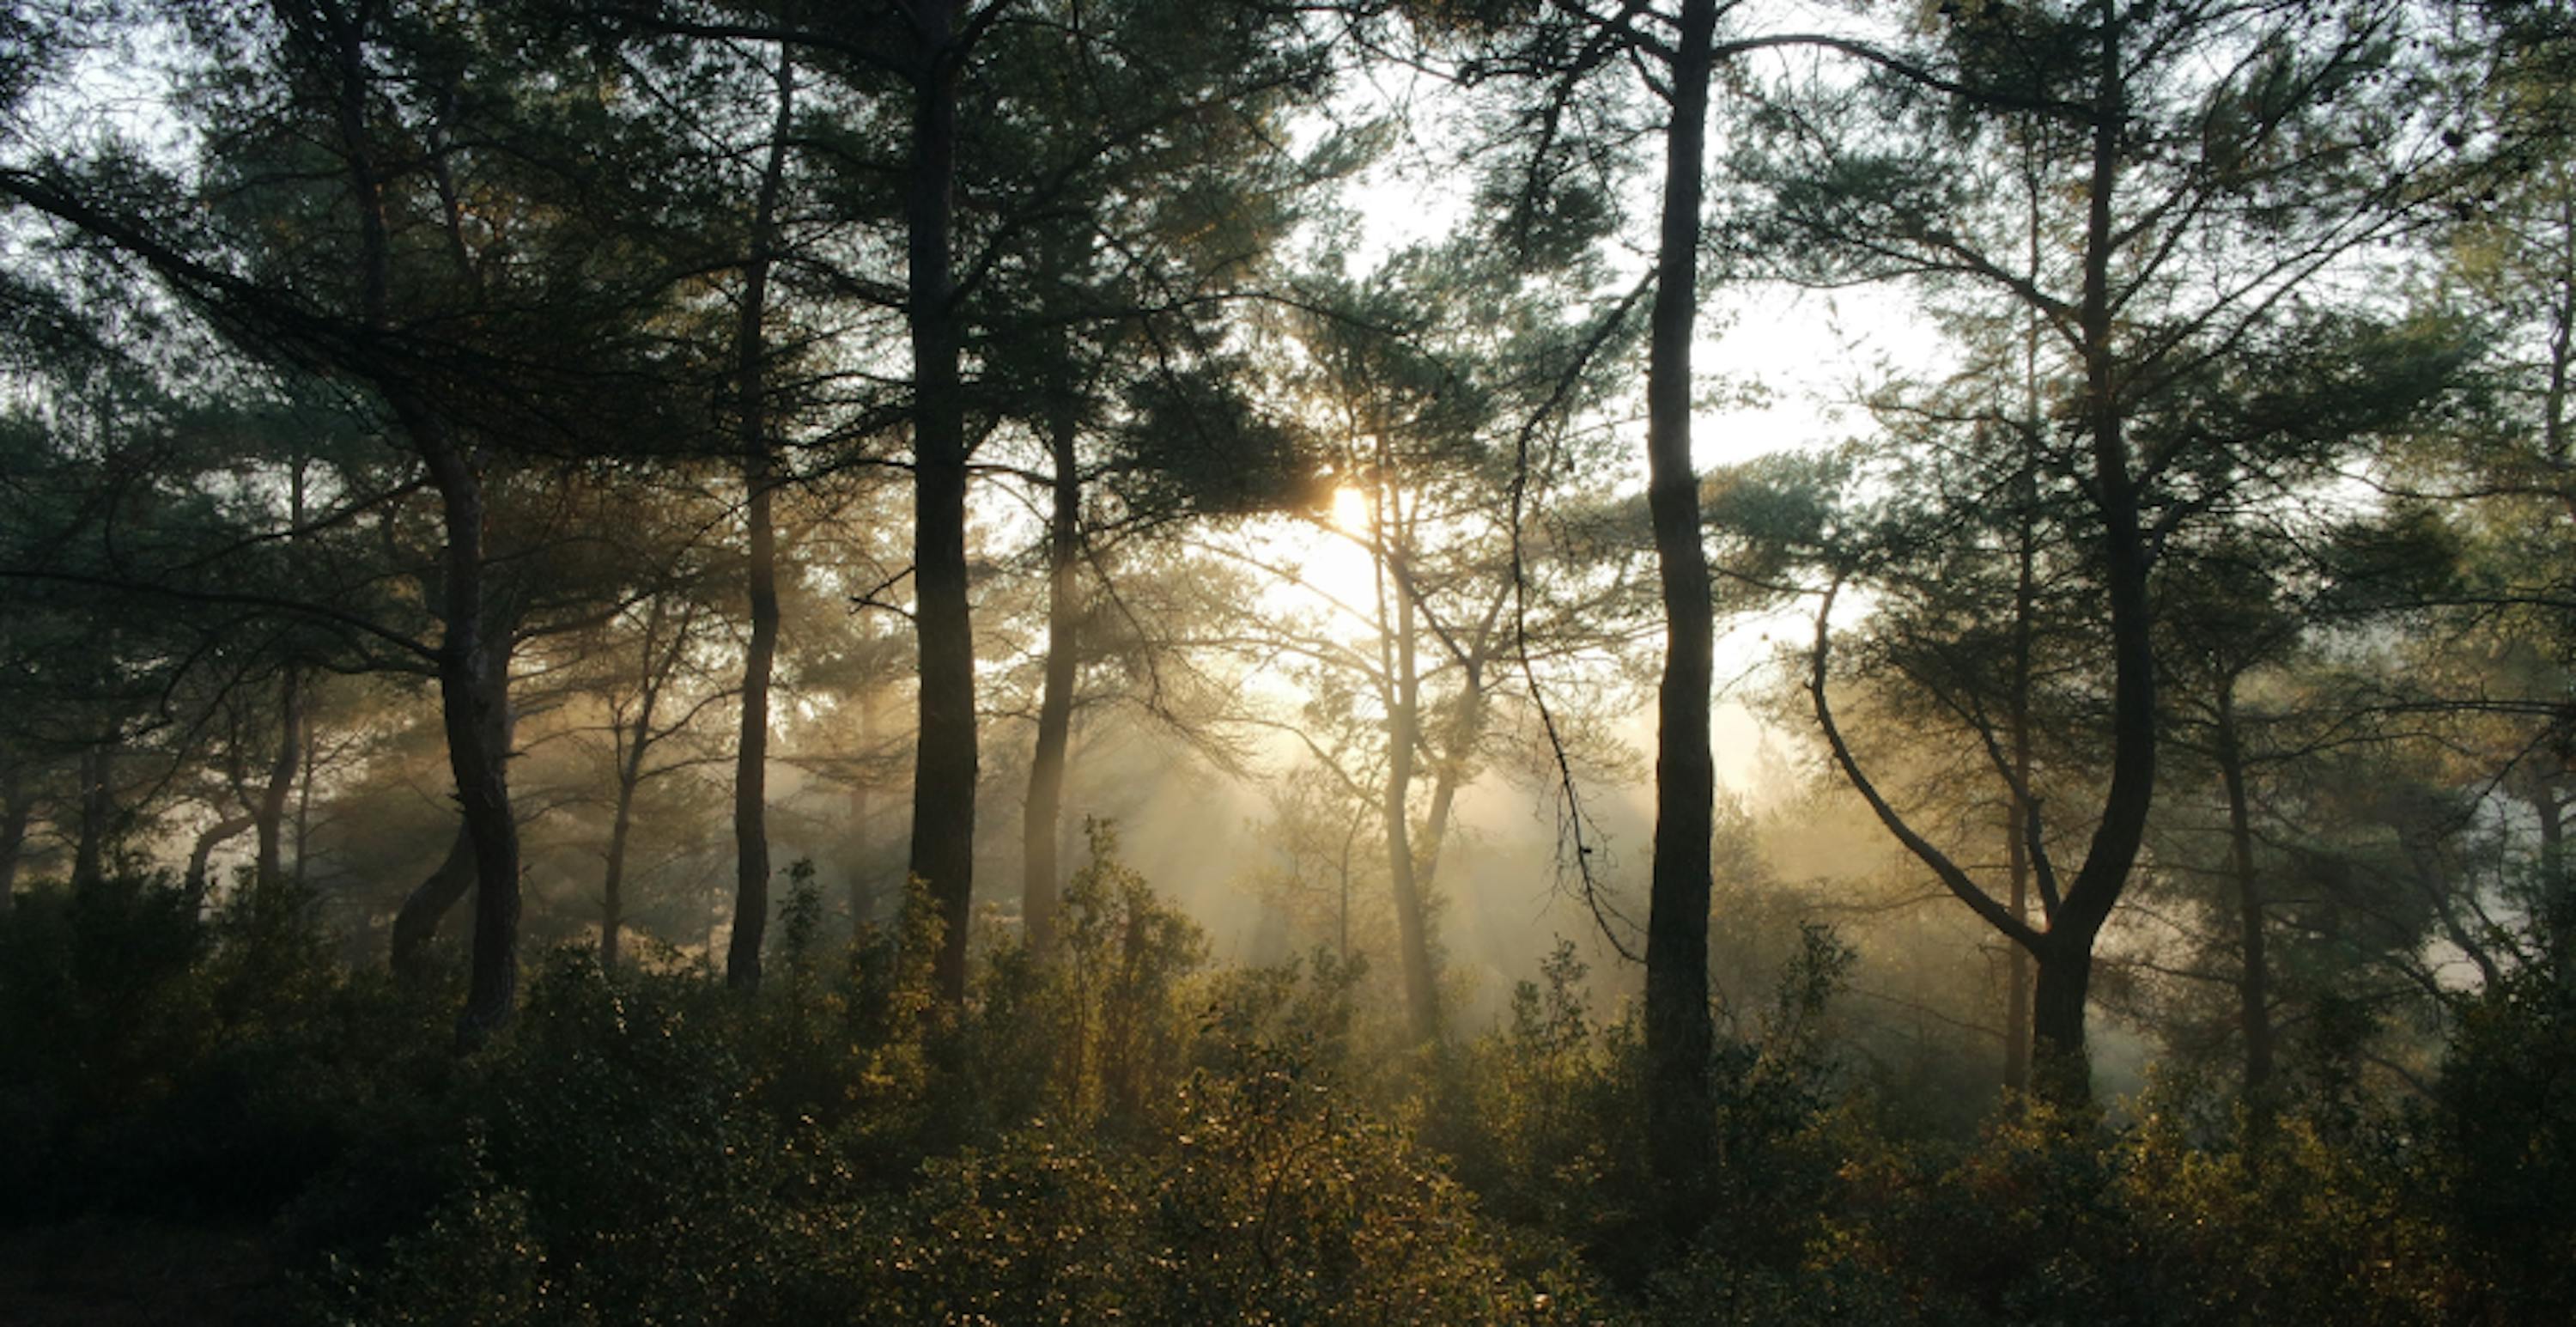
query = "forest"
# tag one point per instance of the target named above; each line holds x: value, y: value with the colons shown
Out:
x: 1337, y: 661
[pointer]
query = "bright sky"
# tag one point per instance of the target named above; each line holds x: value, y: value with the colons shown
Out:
x: 1780, y: 368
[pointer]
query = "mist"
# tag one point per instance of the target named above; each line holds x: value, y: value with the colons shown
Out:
x: 1183, y: 661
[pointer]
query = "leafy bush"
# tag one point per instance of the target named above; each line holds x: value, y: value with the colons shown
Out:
x: 2504, y: 1130
x: 158, y: 1062
x: 1113, y: 1130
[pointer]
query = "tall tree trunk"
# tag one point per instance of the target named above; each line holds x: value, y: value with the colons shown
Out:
x: 659, y: 657
x: 1041, y: 869
x: 16, y: 809
x: 2017, y: 1029
x: 416, y: 923
x: 304, y: 803
x: 269, y: 816
x: 473, y: 660
x: 2057, y: 1030
x: 2254, y: 1008
x: 477, y: 748
x: 270, y: 812
x: 200, y: 852
x: 2017, y: 825
x: 1467, y: 728
x: 2059, y: 1071
x: 1403, y: 737
x: 97, y: 808
x: 2555, y: 894
x: 473, y: 675
x: 863, y: 870
x: 612, y: 883
x: 944, y: 777
x: 1678, y: 1029
x: 751, y: 754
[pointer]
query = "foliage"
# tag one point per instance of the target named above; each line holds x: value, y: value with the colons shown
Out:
x: 362, y: 349
x: 160, y: 1064
x: 2505, y: 1146
x: 1159, y: 1142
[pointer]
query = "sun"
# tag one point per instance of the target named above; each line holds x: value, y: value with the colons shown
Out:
x: 1350, y: 510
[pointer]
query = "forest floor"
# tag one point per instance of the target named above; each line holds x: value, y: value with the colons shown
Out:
x: 109, y: 1273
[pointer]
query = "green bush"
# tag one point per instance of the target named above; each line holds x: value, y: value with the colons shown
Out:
x: 163, y: 1063
x: 2504, y: 1126
x: 1115, y: 1131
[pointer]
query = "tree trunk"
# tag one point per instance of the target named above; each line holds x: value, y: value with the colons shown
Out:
x: 2017, y: 1019
x: 416, y: 924
x: 863, y: 870
x: 2254, y: 1009
x: 97, y: 807
x: 2557, y: 889
x: 2058, y: 1021
x: 2059, y: 1071
x: 16, y: 809
x: 1466, y: 730
x: 944, y: 778
x: 213, y: 836
x: 2017, y: 1024
x: 304, y: 803
x: 1678, y: 1030
x: 612, y: 884
x: 751, y: 754
x: 473, y: 674
x: 1403, y: 735
x: 1040, y: 869
x: 473, y: 666
x: 474, y: 683
x: 270, y: 812
x: 269, y: 816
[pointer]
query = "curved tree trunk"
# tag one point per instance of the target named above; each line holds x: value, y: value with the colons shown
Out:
x: 213, y: 836
x: 1678, y: 1029
x: 472, y: 657
x: 416, y: 923
x: 1467, y: 728
x: 473, y: 674
x: 2058, y: 1021
x: 469, y: 856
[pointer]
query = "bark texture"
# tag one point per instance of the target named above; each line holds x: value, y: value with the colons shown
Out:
x: 416, y: 922
x: 944, y: 776
x: 97, y: 812
x: 1042, y: 872
x: 2253, y: 994
x: 16, y: 808
x: 759, y: 481
x: 201, y: 851
x: 1678, y: 1028
x: 472, y: 657
x: 269, y: 816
